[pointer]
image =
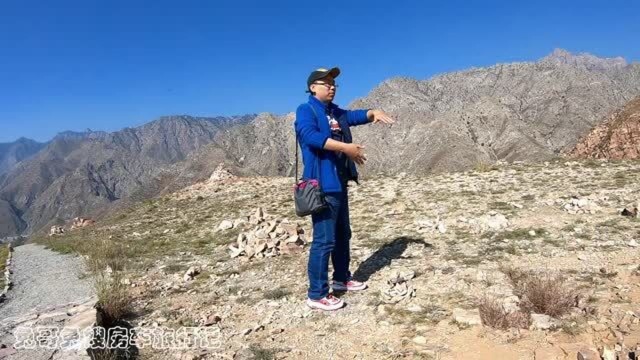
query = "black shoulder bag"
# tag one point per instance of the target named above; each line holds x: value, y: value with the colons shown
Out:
x: 308, y: 196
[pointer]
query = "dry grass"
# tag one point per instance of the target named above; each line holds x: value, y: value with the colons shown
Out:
x: 113, y: 295
x: 542, y: 293
x: 493, y: 314
x: 484, y: 167
x: 106, y: 262
x: 4, y: 255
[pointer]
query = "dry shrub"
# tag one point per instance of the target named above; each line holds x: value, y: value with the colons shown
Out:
x: 106, y: 262
x: 542, y: 293
x: 493, y: 314
x: 484, y: 167
x: 113, y: 295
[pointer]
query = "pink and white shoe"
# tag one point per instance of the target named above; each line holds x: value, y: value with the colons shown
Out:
x: 350, y: 285
x: 328, y: 303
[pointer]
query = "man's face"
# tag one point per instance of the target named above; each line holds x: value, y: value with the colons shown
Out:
x: 325, y: 88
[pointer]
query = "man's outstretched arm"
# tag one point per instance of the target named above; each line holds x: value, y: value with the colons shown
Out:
x: 361, y: 117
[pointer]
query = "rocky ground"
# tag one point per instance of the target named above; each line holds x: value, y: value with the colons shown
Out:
x: 433, y: 249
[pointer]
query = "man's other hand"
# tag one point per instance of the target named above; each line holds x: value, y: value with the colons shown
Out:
x: 355, y: 152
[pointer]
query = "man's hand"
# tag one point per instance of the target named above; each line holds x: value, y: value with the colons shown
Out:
x: 376, y: 116
x: 355, y: 152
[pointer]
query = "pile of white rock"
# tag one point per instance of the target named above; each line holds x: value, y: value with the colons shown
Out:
x: 270, y: 237
x: 398, y: 286
x: 221, y: 173
x: 580, y: 206
x: 56, y: 230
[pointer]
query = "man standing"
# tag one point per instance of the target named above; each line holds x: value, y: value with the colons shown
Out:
x: 330, y: 156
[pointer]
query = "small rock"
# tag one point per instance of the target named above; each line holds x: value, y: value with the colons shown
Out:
x: 420, y: 340
x: 276, y: 331
x: 225, y: 225
x: 632, y: 243
x: 467, y: 317
x: 542, y: 322
x: 235, y: 252
x: 607, y: 353
x: 588, y: 354
x: 191, y: 273
x: 212, y: 320
x: 259, y: 214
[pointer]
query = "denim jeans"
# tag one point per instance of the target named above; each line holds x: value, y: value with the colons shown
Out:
x: 331, y: 235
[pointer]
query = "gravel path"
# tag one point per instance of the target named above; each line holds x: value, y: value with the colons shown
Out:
x: 43, y: 278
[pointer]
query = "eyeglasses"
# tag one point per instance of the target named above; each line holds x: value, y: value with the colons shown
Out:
x: 327, y: 85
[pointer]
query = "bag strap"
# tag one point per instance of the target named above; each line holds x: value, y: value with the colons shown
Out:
x: 295, y: 176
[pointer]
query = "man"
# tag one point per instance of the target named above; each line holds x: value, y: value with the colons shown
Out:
x: 329, y: 156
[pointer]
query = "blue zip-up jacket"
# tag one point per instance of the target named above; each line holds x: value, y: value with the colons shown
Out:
x: 313, y: 134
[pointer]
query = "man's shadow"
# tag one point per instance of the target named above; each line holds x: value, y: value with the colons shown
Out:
x: 383, y: 256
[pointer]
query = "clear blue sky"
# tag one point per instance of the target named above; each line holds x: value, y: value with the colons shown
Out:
x: 108, y: 64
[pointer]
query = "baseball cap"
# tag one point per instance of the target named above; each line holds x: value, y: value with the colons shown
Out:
x: 321, y: 73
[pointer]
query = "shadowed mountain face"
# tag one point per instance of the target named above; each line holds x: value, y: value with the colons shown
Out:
x: 617, y: 138
x: 521, y: 111
x: 82, y: 174
x: 13, y: 153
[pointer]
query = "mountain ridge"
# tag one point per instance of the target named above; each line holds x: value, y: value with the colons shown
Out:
x: 524, y: 111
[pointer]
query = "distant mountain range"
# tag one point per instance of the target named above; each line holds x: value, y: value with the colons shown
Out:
x: 519, y: 111
x: 13, y: 153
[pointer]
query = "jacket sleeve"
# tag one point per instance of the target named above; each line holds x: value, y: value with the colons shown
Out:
x: 357, y: 117
x: 307, y: 128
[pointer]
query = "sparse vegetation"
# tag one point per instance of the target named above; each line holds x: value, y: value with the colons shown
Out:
x: 542, y: 293
x: 4, y: 255
x: 276, y: 294
x: 484, y: 167
x: 494, y: 315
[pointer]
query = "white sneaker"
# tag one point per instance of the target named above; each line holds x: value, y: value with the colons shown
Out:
x: 328, y: 303
x: 350, y: 285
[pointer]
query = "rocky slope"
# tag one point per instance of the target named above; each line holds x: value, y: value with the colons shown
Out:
x: 83, y: 174
x: 14, y: 152
x: 432, y: 249
x: 519, y: 111
x: 616, y: 138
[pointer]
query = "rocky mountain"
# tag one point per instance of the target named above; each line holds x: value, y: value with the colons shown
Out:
x: 14, y: 152
x: 83, y: 174
x: 518, y: 111
x: 616, y: 138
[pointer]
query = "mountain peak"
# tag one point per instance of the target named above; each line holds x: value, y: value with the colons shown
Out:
x: 589, y: 61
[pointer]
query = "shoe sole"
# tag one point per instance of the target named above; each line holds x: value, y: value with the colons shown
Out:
x: 313, y: 305
x: 340, y: 288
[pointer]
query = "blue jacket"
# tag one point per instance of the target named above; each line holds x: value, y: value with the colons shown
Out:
x: 313, y: 134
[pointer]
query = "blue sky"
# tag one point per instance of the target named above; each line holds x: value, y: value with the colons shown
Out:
x: 109, y: 64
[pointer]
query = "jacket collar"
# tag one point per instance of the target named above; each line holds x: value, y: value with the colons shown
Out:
x: 314, y: 101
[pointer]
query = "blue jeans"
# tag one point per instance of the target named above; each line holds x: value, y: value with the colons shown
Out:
x: 331, y: 235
